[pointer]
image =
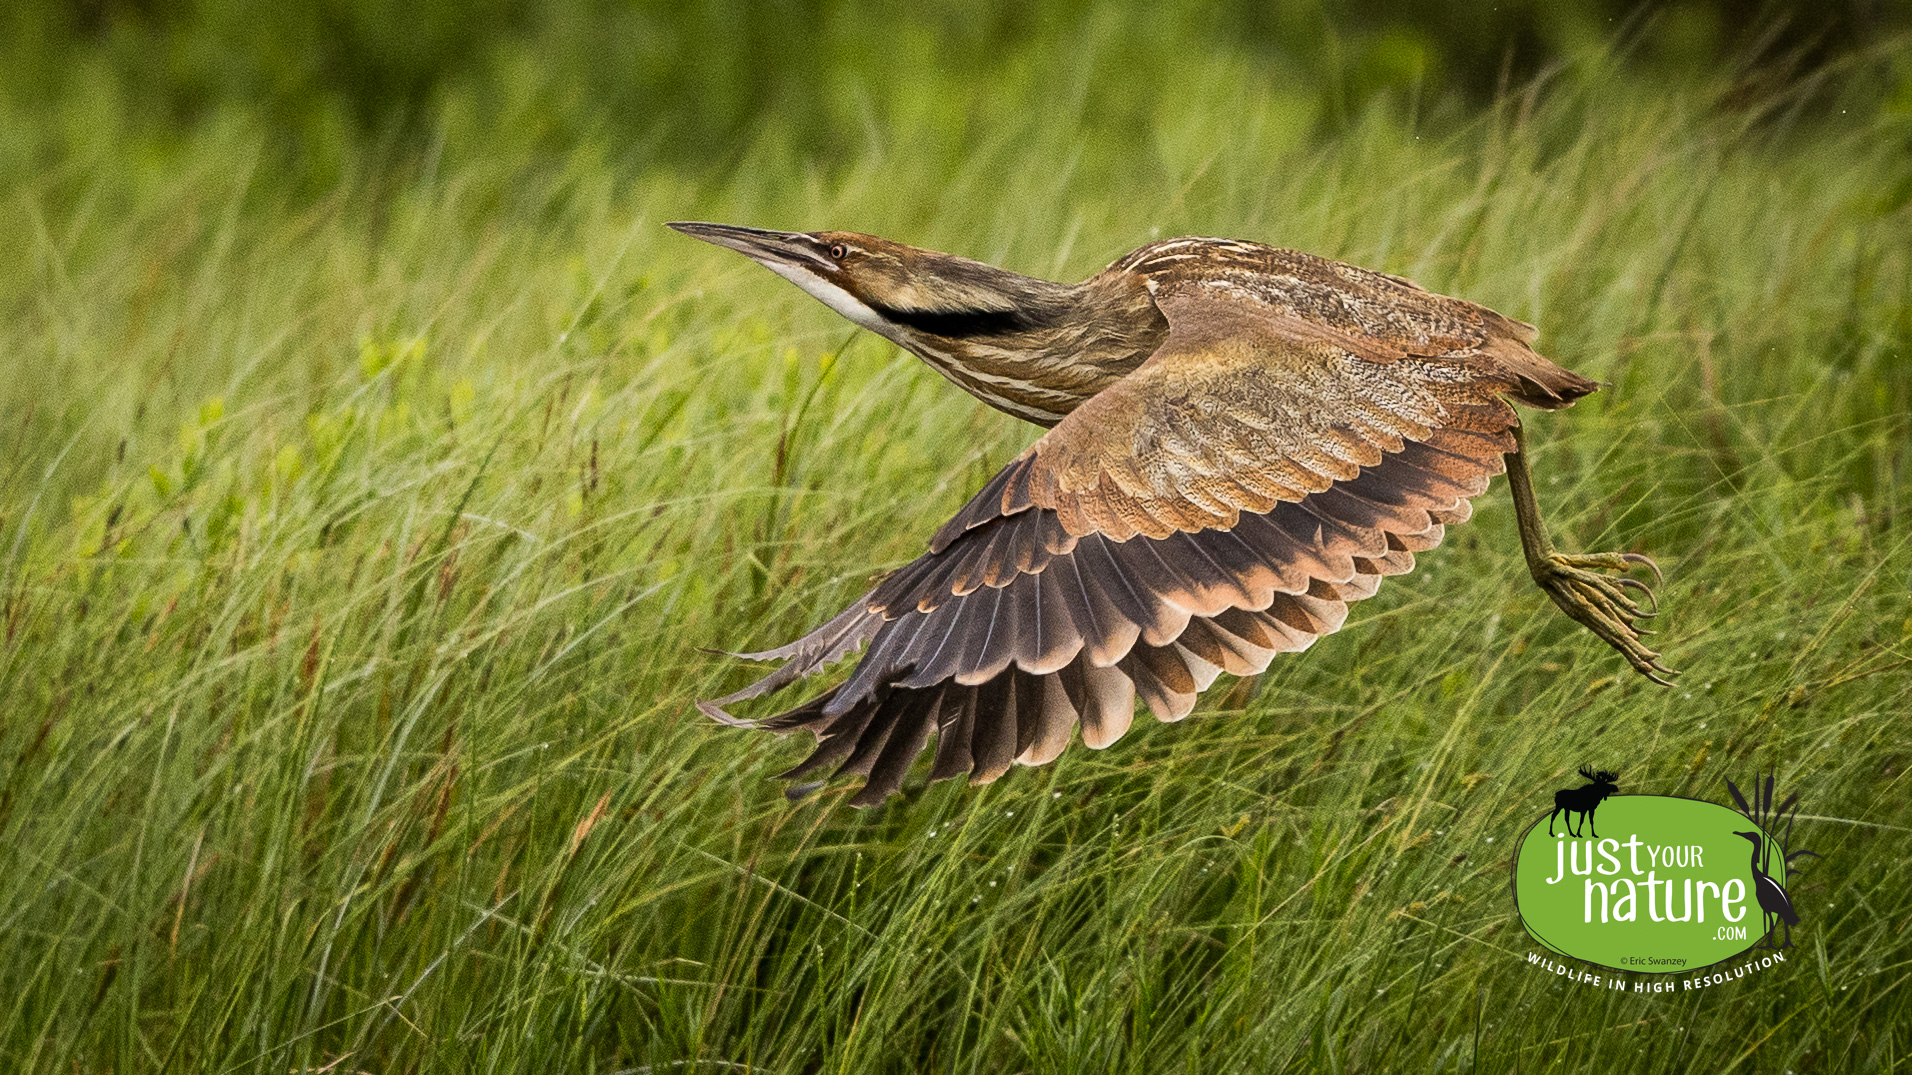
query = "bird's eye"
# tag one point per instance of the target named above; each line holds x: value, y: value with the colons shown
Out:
x: 837, y: 251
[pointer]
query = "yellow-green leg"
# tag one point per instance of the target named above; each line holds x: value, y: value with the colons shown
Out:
x: 1590, y: 588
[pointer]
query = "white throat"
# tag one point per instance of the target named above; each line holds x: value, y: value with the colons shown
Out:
x: 830, y: 295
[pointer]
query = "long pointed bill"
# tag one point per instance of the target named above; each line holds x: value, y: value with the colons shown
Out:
x: 801, y: 259
x: 769, y: 248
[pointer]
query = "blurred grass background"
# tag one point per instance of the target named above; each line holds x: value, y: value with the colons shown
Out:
x: 376, y: 466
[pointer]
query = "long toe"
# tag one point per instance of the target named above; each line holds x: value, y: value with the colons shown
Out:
x: 1593, y: 590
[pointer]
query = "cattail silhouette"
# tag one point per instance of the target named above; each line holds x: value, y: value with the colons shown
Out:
x: 1583, y: 800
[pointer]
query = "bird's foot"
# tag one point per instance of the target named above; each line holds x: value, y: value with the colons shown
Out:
x: 1592, y: 589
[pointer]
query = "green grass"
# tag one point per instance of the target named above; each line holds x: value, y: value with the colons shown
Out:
x: 360, y: 552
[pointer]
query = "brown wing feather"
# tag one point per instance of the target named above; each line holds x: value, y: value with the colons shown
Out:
x: 1224, y: 503
x: 1108, y: 621
x: 1244, y: 404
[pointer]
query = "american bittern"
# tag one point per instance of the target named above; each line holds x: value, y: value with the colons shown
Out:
x: 1242, y: 440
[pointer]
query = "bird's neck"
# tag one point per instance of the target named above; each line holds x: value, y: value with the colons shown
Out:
x: 1044, y: 348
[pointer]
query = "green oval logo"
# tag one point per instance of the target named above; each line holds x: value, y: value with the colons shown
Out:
x: 1661, y: 885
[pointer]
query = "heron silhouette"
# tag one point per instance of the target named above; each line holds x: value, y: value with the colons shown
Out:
x: 1773, y: 901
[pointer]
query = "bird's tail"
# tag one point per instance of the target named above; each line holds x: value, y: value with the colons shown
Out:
x: 1537, y: 381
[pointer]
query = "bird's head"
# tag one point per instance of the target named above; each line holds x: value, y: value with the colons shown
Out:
x: 899, y: 291
x: 1753, y: 836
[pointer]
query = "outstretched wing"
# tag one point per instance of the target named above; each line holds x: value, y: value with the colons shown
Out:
x: 1223, y: 503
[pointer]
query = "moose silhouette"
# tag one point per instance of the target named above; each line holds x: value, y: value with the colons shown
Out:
x: 1583, y: 800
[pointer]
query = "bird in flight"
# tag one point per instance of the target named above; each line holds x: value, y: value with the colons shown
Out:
x: 1241, y: 441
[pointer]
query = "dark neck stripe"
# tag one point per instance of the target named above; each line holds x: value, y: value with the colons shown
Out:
x: 959, y: 324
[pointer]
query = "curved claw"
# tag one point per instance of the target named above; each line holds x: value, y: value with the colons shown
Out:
x: 1641, y: 558
x: 1645, y: 589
